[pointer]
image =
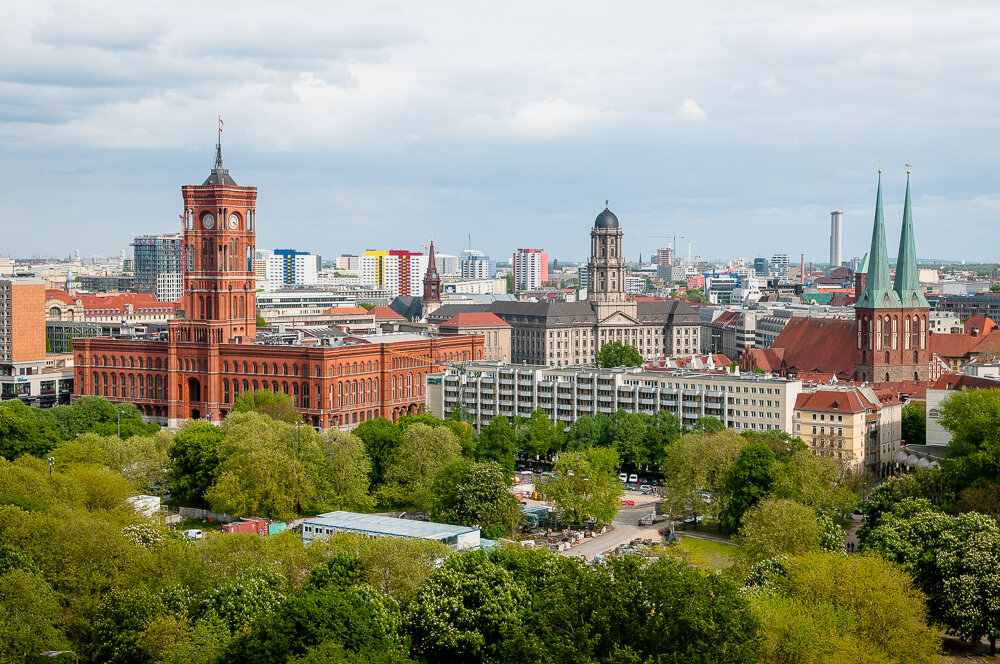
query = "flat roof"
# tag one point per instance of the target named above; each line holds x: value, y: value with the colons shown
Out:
x: 388, y: 525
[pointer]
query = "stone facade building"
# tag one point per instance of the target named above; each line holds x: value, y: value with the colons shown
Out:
x: 567, y: 333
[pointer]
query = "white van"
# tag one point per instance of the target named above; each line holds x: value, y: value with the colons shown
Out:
x: 194, y: 533
x: 623, y: 477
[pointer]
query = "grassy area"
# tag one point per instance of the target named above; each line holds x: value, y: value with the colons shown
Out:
x: 705, y: 553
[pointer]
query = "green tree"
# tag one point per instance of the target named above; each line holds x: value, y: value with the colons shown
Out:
x: 194, y: 461
x: 708, y: 425
x: 973, y: 419
x: 543, y: 436
x: 749, y: 482
x: 779, y: 527
x: 343, y: 476
x: 29, y: 617
x: 98, y: 415
x: 617, y: 354
x: 696, y: 470
x: 475, y: 494
x: 496, y: 443
x: 464, y: 609
x: 819, y: 482
x: 382, y: 439
x: 124, y: 615
x: 421, y: 456
x: 586, y: 485
x: 260, y: 481
x: 22, y: 432
x: 914, y: 423
x: 628, y: 431
x: 830, y: 608
x: 583, y: 433
x: 261, y: 322
x: 276, y: 405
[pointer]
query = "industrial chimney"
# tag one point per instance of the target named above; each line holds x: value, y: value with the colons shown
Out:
x: 835, y: 235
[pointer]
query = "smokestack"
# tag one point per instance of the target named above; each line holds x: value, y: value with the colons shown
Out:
x: 835, y: 236
x: 802, y: 270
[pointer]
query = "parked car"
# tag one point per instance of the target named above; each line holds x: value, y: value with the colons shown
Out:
x: 633, y: 478
x: 623, y: 477
x: 646, y: 489
x: 194, y: 533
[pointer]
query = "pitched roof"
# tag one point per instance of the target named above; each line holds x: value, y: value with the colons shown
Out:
x: 480, y: 319
x: 765, y: 359
x: 956, y: 381
x: 878, y: 293
x: 52, y: 294
x: 963, y: 345
x: 823, y: 345
x: 385, y: 313
x: 851, y: 400
x: 907, y: 283
x: 979, y: 322
x: 346, y: 311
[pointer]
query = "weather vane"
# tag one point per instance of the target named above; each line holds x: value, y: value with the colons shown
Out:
x: 907, y: 168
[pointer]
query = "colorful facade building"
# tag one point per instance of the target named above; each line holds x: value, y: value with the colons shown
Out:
x: 196, y: 367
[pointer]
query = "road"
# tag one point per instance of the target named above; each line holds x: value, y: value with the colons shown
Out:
x: 625, y: 528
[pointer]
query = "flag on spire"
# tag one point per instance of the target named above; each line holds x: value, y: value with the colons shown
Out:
x: 220, y: 124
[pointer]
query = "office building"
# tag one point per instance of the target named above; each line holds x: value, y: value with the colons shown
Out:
x: 158, y: 265
x: 477, y: 265
x: 754, y: 402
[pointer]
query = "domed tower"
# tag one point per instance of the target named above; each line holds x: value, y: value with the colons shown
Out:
x: 606, y: 269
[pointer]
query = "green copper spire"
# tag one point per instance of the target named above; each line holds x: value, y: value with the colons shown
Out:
x: 907, y: 284
x: 878, y: 293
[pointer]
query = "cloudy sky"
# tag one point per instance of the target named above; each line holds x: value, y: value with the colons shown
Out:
x: 738, y: 126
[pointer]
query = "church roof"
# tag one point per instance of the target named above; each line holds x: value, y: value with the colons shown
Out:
x: 907, y: 284
x: 824, y: 345
x: 878, y: 293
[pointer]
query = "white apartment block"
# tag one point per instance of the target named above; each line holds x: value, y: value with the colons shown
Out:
x: 759, y: 402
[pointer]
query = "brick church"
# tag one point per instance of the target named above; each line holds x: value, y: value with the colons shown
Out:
x: 197, y: 366
x: 889, y: 339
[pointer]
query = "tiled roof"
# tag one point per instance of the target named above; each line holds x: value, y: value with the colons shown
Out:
x: 822, y: 345
x: 913, y: 389
x: 385, y: 313
x: 840, y: 401
x: 63, y: 296
x: 347, y: 311
x: 955, y: 381
x: 474, y: 319
x: 981, y: 323
x: 963, y: 345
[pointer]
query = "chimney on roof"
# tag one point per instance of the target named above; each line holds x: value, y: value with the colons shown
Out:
x: 802, y: 270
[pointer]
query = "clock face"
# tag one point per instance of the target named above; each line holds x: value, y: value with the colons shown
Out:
x: 234, y: 221
x: 208, y: 221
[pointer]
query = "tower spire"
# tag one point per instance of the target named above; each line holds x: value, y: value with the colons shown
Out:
x: 907, y: 284
x: 878, y: 293
x: 218, y: 147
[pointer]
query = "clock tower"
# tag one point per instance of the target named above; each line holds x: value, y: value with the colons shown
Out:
x: 220, y: 301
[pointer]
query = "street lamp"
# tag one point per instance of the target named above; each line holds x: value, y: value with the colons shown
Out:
x: 52, y: 462
x: 52, y: 654
x: 118, y: 412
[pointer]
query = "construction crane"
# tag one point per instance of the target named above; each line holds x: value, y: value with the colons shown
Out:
x: 673, y: 246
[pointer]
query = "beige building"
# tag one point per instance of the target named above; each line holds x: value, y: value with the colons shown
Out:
x: 495, y: 332
x: 744, y: 402
x: 850, y: 424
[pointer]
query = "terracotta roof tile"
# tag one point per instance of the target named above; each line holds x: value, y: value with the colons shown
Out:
x: 346, y: 311
x: 385, y: 313
x: 823, y: 345
x: 475, y: 319
x: 956, y: 381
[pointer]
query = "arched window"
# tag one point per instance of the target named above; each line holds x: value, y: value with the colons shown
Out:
x: 131, y: 386
x: 97, y: 384
x: 159, y: 387
x: 304, y: 394
x: 284, y: 387
x: 915, y: 332
x: 340, y: 395
x: 225, y: 390
x: 246, y: 385
x: 886, y: 333
x: 284, y: 370
x: 393, y: 387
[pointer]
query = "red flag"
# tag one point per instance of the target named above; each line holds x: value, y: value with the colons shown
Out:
x: 220, y: 123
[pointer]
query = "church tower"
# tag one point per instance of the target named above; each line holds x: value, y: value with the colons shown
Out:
x: 432, y: 285
x: 892, y: 317
x: 606, y: 269
x: 220, y: 301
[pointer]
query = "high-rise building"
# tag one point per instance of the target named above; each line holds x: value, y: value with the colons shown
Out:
x: 779, y: 266
x: 158, y: 260
x: 399, y: 271
x: 477, y: 265
x: 835, y: 238
x: 24, y: 369
x: 531, y: 269
x: 761, y: 266
x: 288, y: 267
x: 664, y: 263
x: 348, y: 263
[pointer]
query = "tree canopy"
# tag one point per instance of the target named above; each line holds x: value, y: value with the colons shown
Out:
x: 618, y: 354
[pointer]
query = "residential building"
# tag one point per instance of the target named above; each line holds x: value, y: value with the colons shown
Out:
x: 778, y: 267
x: 474, y: 264
x: 398, y: 271
x: 288, y: 267
x: 158, y: 265
x: 348, y: 263
x: 850, y: 424
x: 754, y: 402
x: 531, y: 269
x: 941, y: 389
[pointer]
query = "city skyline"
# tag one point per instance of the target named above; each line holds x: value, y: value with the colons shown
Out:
x: 740, y: 129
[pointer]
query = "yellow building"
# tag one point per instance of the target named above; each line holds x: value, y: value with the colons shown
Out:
x: 849, y: 424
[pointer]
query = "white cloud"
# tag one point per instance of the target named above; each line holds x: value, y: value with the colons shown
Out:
x: 690, y: 111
